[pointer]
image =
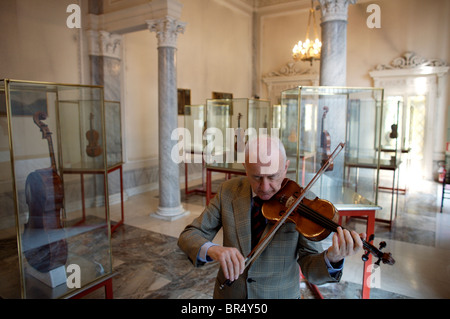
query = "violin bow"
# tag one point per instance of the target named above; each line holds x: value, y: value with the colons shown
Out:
x: 261, y: 246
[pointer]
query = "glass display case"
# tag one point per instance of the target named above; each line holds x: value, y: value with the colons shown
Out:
x: 113, y: 131
x: 313, y: 121
x: 55, y: 226
x: 228, y: 118
x: 392, y: 133
x: 194, y: 122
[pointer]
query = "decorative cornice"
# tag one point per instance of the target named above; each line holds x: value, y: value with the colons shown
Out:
x: 167, y: 30
x: 289, y: 69
x: 102, y: 43
x: 410, y: 60
x: 335, y: 9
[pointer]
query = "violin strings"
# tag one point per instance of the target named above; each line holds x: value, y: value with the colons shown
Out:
x: 317, y: 217
x: 331, y: 225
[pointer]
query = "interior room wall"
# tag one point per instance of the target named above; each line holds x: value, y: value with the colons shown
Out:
x: 213, y: 54
x: 36, y: 43
x: 406, y: 25
x: 422, y: 27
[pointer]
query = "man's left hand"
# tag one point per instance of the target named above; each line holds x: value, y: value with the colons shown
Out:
x: 345, y: 243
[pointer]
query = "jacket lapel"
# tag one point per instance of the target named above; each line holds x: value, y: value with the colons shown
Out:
x: 241, y: 209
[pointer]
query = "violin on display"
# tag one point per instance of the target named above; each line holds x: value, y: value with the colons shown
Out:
x: 394, y: 131
x: 239, y: 144
x: 44, y: 243
x: 325, y: 141
x: 93, y: 149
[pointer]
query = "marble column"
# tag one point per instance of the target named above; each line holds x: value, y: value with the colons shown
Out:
x: 105, y: 55
x: 167, y: 30
x: 333, y: 60
x: 333, y: 72
x: 105, y: 58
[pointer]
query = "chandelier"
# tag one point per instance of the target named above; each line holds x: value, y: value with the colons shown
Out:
x: 308, y: 50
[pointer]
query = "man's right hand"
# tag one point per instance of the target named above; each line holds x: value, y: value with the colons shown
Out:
x: 230, y: 259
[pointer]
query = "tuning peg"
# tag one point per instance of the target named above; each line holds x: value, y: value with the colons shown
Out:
x: 365, y: 257
x: 371, y: 238
x: 382, y: 245
x: 378, y: 262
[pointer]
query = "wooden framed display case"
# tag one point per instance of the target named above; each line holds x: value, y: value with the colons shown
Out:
x: 55, y: 228
x: 313, y: 120
x: 227, y: 117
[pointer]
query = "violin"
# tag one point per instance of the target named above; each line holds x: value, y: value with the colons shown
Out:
x: 93, y: 149
x: 44, y: 241
x: 325, y: 141
x: 394, y: 131
x: 239, y: 144
x: 314, y: 219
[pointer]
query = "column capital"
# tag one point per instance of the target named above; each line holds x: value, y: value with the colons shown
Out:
x: 167, y: 30
x: 102, y: 43
x: 334, y: 9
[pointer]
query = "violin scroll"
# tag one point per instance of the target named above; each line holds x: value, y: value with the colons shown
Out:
x: 386, y: 258
x: 38, y: 117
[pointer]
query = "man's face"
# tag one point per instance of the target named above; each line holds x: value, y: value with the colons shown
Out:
x: 266, y: 185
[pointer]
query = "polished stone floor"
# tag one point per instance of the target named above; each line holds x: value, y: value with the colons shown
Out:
x: 149, y: 264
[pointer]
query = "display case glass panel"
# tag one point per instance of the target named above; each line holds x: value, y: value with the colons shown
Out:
x: 113, y: 128
x: 391, y: 128
x: 259, y: 113
x: 313, y: 121
x: 57, y: 176
x: 194, y: 123
x: 226, y: 118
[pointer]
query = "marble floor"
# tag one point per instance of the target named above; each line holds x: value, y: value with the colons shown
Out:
x: 149, y: 264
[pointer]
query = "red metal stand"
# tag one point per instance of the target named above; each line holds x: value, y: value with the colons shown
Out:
x: 368, y: 214
x: 106, y: 282
x: 93, y: 171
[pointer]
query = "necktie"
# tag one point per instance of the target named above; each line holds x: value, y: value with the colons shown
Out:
x: 258, y: 221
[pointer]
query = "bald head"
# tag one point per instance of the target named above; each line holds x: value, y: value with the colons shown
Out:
x: 267, y: 151
x: 266, y: 165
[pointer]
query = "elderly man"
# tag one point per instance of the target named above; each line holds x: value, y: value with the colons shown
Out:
x: 275, y: 273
